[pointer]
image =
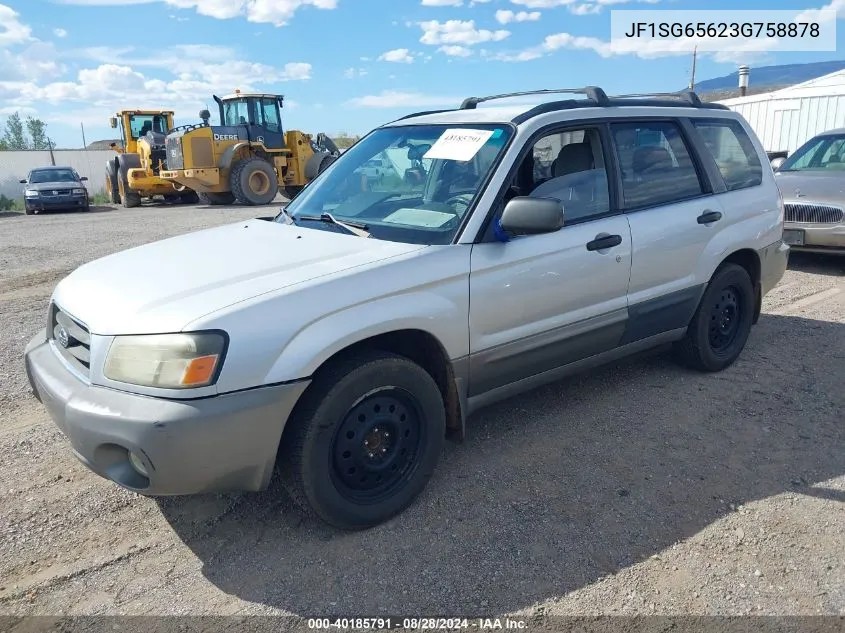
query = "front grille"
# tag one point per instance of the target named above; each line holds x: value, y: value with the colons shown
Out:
x: 71, y: 338
x: 53, y: 193
x: 813, y: 213
x: 175, y: 159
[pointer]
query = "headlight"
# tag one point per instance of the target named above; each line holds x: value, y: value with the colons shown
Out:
x: 31, y: 193
x: 78, y: 192
x: 169, y: 361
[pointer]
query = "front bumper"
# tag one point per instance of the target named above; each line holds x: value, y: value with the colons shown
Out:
x: 56, y: 204
x: 148, y: 185
x: 820, y: 238
x: 224, y: 443
x: 207, y: 179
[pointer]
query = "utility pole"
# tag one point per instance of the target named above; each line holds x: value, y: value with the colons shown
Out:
x: 692, y: 74
x: 84, y: 144
x: 52, y: 157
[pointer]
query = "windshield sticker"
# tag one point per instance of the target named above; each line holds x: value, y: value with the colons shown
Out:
x: 459, y: 144
x: 419, y: 217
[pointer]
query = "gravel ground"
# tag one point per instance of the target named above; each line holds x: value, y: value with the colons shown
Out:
x: 637, y: 488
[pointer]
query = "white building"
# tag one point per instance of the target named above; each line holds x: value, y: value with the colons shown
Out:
x: 785, y: 119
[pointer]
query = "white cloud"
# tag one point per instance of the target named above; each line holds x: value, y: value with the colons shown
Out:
x: 35, y: 62
x: 12, y: 30
x: 397, y: 99
x: 460, y: 32
x: 506, y: 17
x: 398, y: 56
x: 584, y: 9
x: 275, y: 12
x: 352, y: 73
x: 542, y: 4
x: 59, y: 32
x: 815, y: 15
x: 455, y: 51
x: 442, y: 3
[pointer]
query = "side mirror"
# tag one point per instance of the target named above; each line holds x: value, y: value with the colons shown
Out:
x: 23, y: 182
x: 777, y: 162
x: 532, y: 216
x: 83, y: 178
x: 113, y: 122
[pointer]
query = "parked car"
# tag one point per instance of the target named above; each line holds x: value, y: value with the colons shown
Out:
x: 55, y: 189
x: 343, y: 340
x: 812, y: 182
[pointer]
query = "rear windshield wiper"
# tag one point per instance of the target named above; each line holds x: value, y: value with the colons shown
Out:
x: 356, y: 228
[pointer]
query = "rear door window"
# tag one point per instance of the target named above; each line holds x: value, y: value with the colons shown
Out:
x: 656, y: 164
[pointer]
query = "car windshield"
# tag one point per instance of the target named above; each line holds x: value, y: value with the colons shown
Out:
x: 823, y: 152
x: 412, y: 184
x: 52, y: 175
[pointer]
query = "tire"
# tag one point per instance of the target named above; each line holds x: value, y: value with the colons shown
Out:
x: 128, y: 198
x: 254, y: 181
x: 317, y: 164
x: 214, y: 198
x: 172, y: 198
x: 354, y: 407
x: 291, y: 191
x: 722, y: 323
x: 31, y: 212
x: 112, y: 192
x: 190, y: 197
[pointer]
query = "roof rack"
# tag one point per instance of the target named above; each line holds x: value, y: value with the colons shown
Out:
x: 593, y: 93
x: 685, y: 95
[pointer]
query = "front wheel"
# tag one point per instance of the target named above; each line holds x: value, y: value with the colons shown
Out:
x: 215, y: 198
x: 364, y: 441
x: 722, y: 323
x: 254, y: 181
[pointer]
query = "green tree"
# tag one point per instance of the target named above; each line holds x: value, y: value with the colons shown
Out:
x: 14, y: 137
x: 37, y: 133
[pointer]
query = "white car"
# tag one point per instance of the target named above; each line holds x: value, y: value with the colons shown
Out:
x: 343, y: 340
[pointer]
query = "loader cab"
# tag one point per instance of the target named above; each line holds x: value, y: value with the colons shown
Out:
x: 253, y: 117
x: 134, y: 125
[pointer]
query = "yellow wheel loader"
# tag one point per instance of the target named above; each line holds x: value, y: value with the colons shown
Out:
x: 134, y: 173
x: 248, y: 158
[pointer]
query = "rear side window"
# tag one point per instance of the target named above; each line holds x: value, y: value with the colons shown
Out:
x: 733, y: 152
x: 656, y: 164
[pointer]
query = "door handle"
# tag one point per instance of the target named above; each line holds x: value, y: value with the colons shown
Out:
x: 604, y: 241
x: 708, y: 217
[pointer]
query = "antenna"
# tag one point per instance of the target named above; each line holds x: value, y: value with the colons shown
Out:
x: 692, y: 74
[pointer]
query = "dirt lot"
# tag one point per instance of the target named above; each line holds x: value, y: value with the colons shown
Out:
x: 637, y: 488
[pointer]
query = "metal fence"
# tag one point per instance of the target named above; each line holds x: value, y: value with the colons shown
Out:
x: 15, y: 165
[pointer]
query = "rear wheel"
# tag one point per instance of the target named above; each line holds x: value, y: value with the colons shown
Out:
x: 216, y: 198
x: 254, y: 181
x: 128, y: 197
x: 364, y: 441
x: 112, y: 191
x: 722, y: 323
x: 291, y: 191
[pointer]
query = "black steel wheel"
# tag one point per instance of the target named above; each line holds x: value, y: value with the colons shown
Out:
x: 364, y: 439
x: 722, y: 323
x: 377, y: 444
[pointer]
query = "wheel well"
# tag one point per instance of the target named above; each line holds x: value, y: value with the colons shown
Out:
x: 750, y: 261
x: 426, y: 351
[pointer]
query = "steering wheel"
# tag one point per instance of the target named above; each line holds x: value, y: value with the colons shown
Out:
x: 464, y: 199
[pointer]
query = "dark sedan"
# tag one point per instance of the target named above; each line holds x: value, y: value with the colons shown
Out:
x: 54, y: 189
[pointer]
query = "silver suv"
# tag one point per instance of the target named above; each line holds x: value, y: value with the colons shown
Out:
x: 342, y: 341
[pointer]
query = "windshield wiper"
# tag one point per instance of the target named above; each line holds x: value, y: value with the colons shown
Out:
x: 356, y: 228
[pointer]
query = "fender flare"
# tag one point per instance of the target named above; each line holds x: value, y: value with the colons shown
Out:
x: 229, y: 154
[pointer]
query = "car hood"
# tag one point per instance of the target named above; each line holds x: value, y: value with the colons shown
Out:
x: 42, y: 186
x: 809, y: 186
x: 163, y: 286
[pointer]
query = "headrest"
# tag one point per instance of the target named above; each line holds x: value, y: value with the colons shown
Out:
x: 651, y: 158
x: 573, y: 158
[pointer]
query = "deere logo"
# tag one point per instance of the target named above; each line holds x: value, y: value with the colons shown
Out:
x: 225, y: 137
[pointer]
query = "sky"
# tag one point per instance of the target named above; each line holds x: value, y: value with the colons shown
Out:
x: 343, y: 65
